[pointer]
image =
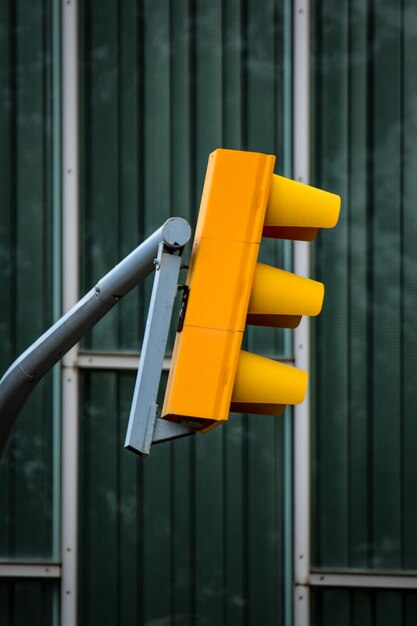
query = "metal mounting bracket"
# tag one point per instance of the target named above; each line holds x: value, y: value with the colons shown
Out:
x: 144, y: 428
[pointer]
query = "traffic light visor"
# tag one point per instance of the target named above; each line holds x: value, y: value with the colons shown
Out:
x: 264, y: 386
x: 297, y: 211
x: 279, y: 298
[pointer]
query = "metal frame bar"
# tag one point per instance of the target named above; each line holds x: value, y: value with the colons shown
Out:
x: 30, y: 570
x: 70, y: 294
x: 301, y: 605
x: 370, y: 580
x: 56, y: 275
x: 287, y: 164
x: 113, y: 361
x: 302, y: 333
x: 124, y: 361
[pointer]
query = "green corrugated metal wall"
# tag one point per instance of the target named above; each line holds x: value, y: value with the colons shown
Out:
x: 26, y: 270
x: 365, y: 122
x: 363, y: 607
x: 191, y: 535
x: 195, y: 534
x: 25, y: 602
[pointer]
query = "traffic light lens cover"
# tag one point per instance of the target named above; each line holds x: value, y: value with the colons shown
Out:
x: 279, y: 298
x: 266, y: 385
x: 297, y: 211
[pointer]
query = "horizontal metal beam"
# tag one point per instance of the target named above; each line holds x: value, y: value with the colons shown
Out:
x: 113, y: 361
x: 370, y: 580
x: 30, y: 570
x: 128, y: 361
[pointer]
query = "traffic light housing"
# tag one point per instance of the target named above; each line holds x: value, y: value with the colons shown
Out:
x: 226, y: 289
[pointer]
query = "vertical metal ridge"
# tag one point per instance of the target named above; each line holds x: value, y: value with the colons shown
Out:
x: 57, y: 268
x: 244, y: 75
x: 70, y: 251
x: 192, y: 101
x: 140, y: 128
x: 12, y: 171
x: 369, y: 271
x: 171, y: 103
x: 193, y: 508
x: 12, y: 223
x: 402, y: 284
x: 350, y: 297
x: 172, y: 526
x: 245, y: 519
x: 118, y: 437
x: 223, y: 74
x: 302, y: 413
x: 119, y: 148
x: 225, y: 512
x: 287, y: 115
x: 140, y: 561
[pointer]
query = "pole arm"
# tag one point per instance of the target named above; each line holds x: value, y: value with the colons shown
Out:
x: 24, y: 374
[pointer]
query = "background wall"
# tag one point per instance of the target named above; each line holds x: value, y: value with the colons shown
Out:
x: 365, y: 472
x: 200, y: 533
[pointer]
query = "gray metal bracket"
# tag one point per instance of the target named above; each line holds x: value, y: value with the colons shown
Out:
x: 144, y: 428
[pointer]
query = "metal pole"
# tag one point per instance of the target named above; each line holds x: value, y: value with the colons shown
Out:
x: 302, y: 333
x: 21, y: 378
x: 69, y: 406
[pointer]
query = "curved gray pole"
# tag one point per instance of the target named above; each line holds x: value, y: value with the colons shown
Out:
x: 21, y: 378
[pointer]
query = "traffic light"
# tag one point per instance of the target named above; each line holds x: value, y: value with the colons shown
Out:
x: 226, y: 289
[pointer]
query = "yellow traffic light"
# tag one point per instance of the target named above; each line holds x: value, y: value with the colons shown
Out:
x: 243, y: 201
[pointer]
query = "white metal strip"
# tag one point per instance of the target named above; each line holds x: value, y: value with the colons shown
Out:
x: 70, y: 290
x: 29, y: 570
x: 113, y: 361
x: 57, y: 271
x: 301, y: 605
x: 301, y: 55
x: 122, y: 361
x: 378, y: 581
